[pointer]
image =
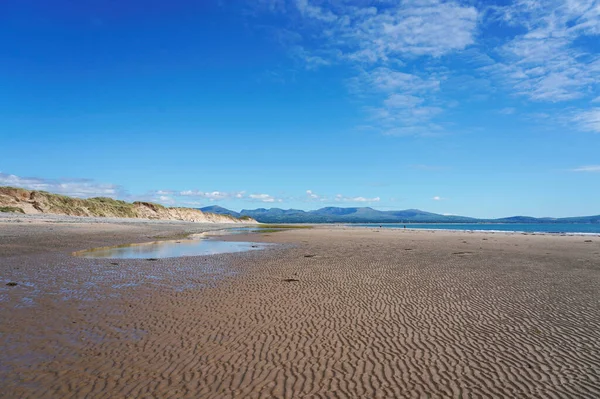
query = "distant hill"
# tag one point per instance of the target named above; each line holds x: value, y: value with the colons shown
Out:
x: 219, y: 210
x: 19, y: 200
x: 370, y: 215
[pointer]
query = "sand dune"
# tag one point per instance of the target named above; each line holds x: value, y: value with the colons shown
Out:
x: 330, y: 313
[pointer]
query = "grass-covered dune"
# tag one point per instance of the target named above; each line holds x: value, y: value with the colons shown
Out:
x: 20, y: 200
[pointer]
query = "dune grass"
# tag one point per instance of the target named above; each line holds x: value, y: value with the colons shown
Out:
x: 13, y: 209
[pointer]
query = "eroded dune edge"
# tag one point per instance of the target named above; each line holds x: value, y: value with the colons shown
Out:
x: 342, y: 313
x: 33, y: 202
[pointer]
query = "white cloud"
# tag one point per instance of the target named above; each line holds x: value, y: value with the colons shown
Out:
x: 81, y: 188
x: 404, y: 29
x: 588, y: 168
x: 316, y: 12
x: 213, y: 196
x: 341, y: 198
x: 311, y: 195
x: 378, y: 40
x: 437, y: 198
x: 405, y: 100
x: 386, y: 80
x: 398, y: 52
x: 402, y: 101
x: 264, y: 198
x: 166, y: 200
x: 543, y: 63
x: 588, y: 120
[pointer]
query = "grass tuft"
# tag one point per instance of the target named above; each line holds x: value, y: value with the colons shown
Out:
x: 11, y: 209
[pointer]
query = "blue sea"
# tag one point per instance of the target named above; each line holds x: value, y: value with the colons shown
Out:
x: 556, y: 228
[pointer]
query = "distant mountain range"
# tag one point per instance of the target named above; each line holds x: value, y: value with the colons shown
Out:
x: 370, y: 215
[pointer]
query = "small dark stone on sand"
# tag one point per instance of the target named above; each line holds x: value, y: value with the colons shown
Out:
x: 309, y: 256
x: 114, y: 263
x: 461, y: 253
x: 290, y: 280
x: 588, y: 241
x: 11, y: 284
x: 408, y: 249
x: 254, y: 246
x: 152, y: 259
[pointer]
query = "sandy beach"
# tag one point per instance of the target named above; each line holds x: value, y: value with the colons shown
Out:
x: 330, y: 312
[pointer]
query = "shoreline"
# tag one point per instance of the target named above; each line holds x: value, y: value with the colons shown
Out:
x: 551, y: 233
x: 52, y: 218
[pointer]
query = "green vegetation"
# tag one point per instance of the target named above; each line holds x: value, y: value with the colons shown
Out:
x: 11, y: 209
x: 103, y: 206
x: 150, y: 205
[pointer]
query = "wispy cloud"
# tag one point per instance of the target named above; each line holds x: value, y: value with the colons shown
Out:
x: 588, y: 120
x: 405, y: 101
x: 588, y: 168
x: 399, y: 54
x: 543, y: 63
x: 378, y: 41
x: 81, y: 188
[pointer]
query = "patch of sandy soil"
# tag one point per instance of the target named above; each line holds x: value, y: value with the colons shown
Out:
x: 331, y: 312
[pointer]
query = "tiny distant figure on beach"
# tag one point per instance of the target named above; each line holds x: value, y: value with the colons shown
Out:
x: 404, y: 226
x: 379, y: 226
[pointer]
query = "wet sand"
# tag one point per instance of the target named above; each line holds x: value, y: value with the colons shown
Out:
x: 331, y: 312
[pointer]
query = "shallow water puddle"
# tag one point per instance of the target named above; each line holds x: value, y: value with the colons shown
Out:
x: 169, y: 249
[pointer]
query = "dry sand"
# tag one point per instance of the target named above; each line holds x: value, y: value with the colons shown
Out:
x: 363, y: 314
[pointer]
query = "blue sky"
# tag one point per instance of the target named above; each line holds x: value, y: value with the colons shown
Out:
x: 479, y: 108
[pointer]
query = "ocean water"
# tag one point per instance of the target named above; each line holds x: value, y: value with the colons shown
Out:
x: 556, y: 228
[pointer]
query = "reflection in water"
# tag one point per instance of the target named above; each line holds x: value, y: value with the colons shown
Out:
x: 169, y: 249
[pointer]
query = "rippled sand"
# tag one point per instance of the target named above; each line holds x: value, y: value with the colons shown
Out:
x: 332, y: 312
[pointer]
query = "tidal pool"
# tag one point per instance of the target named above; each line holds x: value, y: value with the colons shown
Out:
x: 169, y: 249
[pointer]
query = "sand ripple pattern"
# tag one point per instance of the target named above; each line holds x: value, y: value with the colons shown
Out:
x: 360, y: 316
